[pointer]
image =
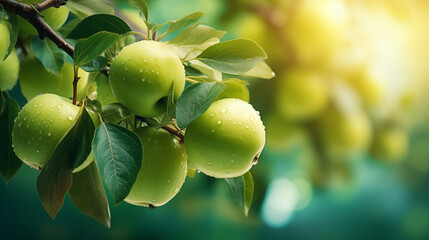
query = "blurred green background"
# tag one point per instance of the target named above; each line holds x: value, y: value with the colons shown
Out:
x: 347, y: 132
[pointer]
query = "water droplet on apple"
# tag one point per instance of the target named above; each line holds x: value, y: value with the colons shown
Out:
x: 247, y: 127
x: 223, y: 111
x: 213, y: 130
x: 59, y: 106
x: 212, y: 114
x: 219, y: 122
x: 176, y: 190
x: 252, y: 119
x: 239, y: 123
x: 157, y: 73
x: 28, y: 126
x: 70, y: 117
x: 49, y: 134
x: 52, y: 109
x: 209, y: 163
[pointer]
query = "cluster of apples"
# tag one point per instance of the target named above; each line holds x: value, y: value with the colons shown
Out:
x: 328, y: 94
x: 223, y: 142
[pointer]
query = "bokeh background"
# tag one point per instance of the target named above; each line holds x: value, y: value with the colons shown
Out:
x: 347, y: 152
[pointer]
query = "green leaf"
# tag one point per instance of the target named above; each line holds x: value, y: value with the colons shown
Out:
x: 197, y: 34
x: 195, y: 100
x: 90, y: 48
x: 98, y: 64
x: 235, y: 88
x: 12, y: 23
x: 118, y: 153
x: 261, y: 70
x: 171, y: 109
x: 87, y: 193
x: 51, y: 57
x: 9, y: 162
x: 66, y: 29
x: 97, y: 23
x: 194, y: 40
x: 184, y: 21
x: 141, y: 6
x: 234, y: 57
x: 206, y: 70
x: 85, y: 8
x: 115, y: 112
x: 242, y: 190
x: 94, y: 105
x: 55, y: 179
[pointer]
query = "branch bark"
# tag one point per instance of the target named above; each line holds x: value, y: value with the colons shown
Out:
x: 32, y: 16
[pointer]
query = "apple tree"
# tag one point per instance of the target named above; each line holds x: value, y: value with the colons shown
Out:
x: 108, y: 105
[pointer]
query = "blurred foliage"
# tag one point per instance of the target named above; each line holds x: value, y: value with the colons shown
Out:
x: 347, y: 131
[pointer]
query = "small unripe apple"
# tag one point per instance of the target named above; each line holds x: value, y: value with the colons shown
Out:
x: 40, y: 126
x: 345, y: 133
x: 9, y: 70
x: 163, y: 169
x: 54, y: 17
x: 226, y: 139
x: 301, y: 95
x: 315, y: 31
x: 142, y: 75
x: 4, y: 39
x: 34, y: 79
x: 390, y: 144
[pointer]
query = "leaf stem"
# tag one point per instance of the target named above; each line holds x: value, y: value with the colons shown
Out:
x: 75, y: 81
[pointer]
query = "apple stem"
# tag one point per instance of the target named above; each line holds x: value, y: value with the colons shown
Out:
x: 175, y: 132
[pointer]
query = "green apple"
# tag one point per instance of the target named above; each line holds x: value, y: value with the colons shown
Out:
x: 54, y: 17
x: 34, y: 79
x: 142, y: 75
x: 40, y: 126
x: 104, y: 92
x: 345, y: 133
x: 9, y: 70
x: 163, y: 169
x: 4, y: 39
x: 390, y: 144
x: 301, y: 94
x: 225, y: 140
x: 315, y: 31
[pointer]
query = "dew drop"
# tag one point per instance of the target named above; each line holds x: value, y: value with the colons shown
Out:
x: 198, y: 171
x: 37, y: 151
x: 49, y: 134
x: 122, y: 62
x: 157, y: 73
x: 223, y: 111
x: 176, y: 190
x: 239, y: 123
x: 209, y: 163
x: 141, y: 70
x: 229, y: 119
x: 252, y: 119
x: 144, y: 60
x: 70, y: 117
x: 40, y: 132
x: 168, y: 181
x: 28, y: 126
x: 59, y: 106
x: 212, y: 114
x: 153, y: 71
x: 35, y: 105
x: 247, y: 127
x: 129, y: 58
x: 213, y: 130
x: 253, y: 130
x: 232, y: 161
x: 126, y: 68
x: 234, y: 123
x: 52, y: 109
x: 219, y: 122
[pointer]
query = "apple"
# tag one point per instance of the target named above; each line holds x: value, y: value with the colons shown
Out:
x: 301, y: 94
x: 4, y: 39
x: 34, y: 79
x: 226, y: 139
x: 9, y: 70
x: 390, y: 144
x: 142, y: 75
x: 40, y: 126
x: 163, y: 169
x: 54, y: 17
x: 104, y: 92
x: 315, y: 30
x: 344, y: 133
